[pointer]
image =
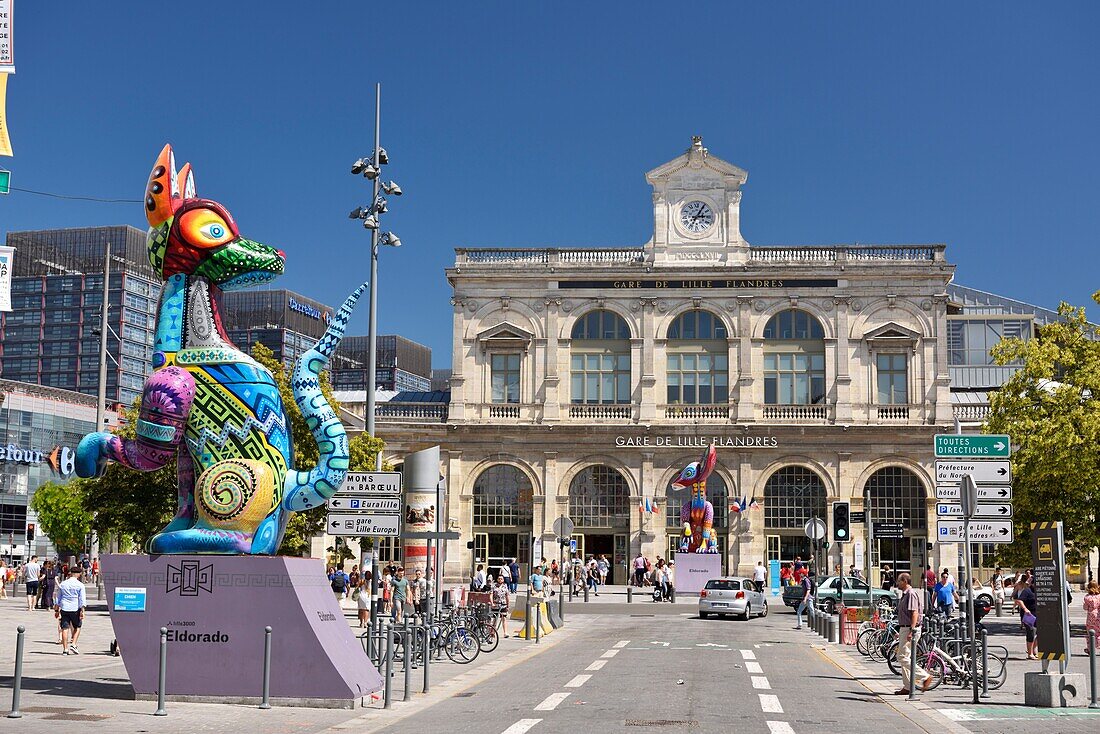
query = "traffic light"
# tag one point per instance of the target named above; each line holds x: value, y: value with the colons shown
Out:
x: 30, y: 532
x: 842, y: 531
x: 470, y: 544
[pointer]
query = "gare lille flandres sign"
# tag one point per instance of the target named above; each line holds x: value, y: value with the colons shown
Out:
x: 698, y: 442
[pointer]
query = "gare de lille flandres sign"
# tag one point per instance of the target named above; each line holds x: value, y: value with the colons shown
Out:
x: 698, y: 442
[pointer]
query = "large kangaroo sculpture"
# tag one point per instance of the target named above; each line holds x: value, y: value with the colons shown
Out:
x: 236, y: 482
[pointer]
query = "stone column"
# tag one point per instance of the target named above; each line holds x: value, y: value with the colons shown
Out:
x: 843, y: 378
x: 644, y: 535
x: 457, y: 409
x: 746, y: 379
x: 945, y: 413
x: 551, y: 409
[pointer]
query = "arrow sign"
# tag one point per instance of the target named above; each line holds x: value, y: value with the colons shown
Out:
x: 361, y: 503
x: 980, y: 510
x: 657, y: 642
x: 984, y: 471
x: 360, y: 525
x: 981, y: 531
x: 953, y: 492
x: 956, y: 446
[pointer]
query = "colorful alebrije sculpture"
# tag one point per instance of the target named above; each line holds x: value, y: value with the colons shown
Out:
x: 697, y: 513
x: 236, y: 481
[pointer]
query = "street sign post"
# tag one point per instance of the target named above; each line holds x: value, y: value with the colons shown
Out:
x: 984, y: 471
x: 889, y: 530
x: 362, y: 525
x: 955, y: 445
x: 375, y: 483
x: 953, y: 492
x: 981, y: 531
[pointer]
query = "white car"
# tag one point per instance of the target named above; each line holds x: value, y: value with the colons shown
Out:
x: 732, y: 595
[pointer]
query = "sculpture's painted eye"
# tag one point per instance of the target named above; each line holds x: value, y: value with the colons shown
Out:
x: 205, y: 228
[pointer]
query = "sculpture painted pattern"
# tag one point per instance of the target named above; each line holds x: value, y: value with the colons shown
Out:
x: 697, y: 513
x: 211, y: 407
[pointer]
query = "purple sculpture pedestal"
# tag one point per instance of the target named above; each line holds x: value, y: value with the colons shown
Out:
x: 216, y: 609
x: 694, y: 570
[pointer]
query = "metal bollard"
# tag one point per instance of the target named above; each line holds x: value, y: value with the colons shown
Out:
x: 163, y: 672
x: 17, y: 683
x: 527, y: 618
x: 387, y: 690
x: 913, y: 663
x: 672, y: 594
x: 985, y: 664
x: 561, y: 607
x: 1093, y: 703
x: 629, y: 594
x: 538, y: 624
x: 406, y: 659
x: 585, y: 592
x: 266, y: 703
x: 427, y: 653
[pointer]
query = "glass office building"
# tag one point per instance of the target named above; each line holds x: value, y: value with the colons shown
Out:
x: 402, y: 364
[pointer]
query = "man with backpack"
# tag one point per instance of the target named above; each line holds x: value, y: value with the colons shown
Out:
x: 338, y: 580
x: 809, y: 584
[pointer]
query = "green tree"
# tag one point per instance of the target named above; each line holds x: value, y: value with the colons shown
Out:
x: 1051, y: 409
x: 62, y: 516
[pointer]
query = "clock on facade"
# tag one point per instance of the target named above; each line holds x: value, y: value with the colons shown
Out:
x: 696, y: 216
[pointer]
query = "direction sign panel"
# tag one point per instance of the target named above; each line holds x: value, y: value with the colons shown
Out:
x: 342, y: 523
x: 954, y: 492
x: 954, y: 445
x: 981, y: 531
x: 889, y: 530
x: 376, y: 483
x: 944, y: 509
x: 364, y: 503
x: 997, y: 471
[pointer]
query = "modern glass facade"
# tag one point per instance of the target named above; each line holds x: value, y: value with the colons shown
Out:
x: 285, y: 322
x: 401, y: 363
x: 51, y: 336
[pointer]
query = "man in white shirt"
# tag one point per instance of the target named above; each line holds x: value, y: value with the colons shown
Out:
x: 31, y: 572
x: 759, y: 575
x: 71, y: 600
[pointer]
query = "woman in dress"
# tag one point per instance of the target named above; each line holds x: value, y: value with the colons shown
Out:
x: 362, y: 599
x: 501, y: 603
x: 1092, y: 613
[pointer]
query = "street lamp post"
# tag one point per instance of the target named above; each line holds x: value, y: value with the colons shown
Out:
x: 371, y: 169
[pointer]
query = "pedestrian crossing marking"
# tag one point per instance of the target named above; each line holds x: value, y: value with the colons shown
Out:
x: 770, y: 703
x: 621, y: 644
x: 552, y: 701
x: 578, y: 681
x: 761, y: 683
x: 748, y: 655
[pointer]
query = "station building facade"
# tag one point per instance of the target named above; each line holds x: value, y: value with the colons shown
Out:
x: 583, y: 380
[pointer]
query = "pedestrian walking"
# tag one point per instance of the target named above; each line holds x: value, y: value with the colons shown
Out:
x: 387, y: 576
x: 502, y: 601
x: 31, y: 573
x: 418, y: 593
x: 481, y: 580
x: 887, y: 578
x: 1028, y: 605
x: 1092, y: 613
x: 399, y: 593
x: 362, y: 600
x: 910, y: 617
x: 639, y: 570
x: 338, y: 581
x: 759, y: 576
x: 513, y: 568
x: 807, y: 602
x: 69, y: 609
x: 799, y: 570
x: 603, y: 567
x: 946, y: 594
x: 3, y: 579
x: 785, y: 574
x: 95, y: 570
x: 593, y: 577
x: 535, y: 582
x: 506, y: 573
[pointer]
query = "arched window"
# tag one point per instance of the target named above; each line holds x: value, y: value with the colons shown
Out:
x: 697, y: 360
x: 503, y: 497
x: 717, y: 494
x: 794, y: 359
x: 792, y: 496
x: 897, y: 496
x: 599, y: 497
x: 600, y: 359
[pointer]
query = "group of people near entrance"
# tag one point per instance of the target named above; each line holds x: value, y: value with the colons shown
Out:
x: 400, y: 595
x: 57, y: 586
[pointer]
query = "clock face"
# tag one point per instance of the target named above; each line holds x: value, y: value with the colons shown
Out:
x: 696, y: 216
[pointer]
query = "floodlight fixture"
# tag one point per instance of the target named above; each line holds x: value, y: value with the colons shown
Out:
x: 370, y: 222
x: 389, y: 238
x: 391, y: 188
x: 383, y: 157
x: 356, y: 213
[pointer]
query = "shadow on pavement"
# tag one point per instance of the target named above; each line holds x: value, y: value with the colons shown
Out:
x: 80, y: 688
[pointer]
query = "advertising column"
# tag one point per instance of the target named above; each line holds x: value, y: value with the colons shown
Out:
x: 421, y: 475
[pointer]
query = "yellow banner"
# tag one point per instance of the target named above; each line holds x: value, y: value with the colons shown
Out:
x: 5, y: 141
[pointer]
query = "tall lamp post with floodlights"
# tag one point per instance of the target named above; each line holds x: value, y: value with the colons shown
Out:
x: 371, y: 169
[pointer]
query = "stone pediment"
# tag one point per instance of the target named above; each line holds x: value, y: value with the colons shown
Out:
x: 694, y: 165
x: 506, y: 335
x: 892, y: 333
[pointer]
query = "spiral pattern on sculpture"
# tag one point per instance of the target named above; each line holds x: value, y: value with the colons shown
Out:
x: 226, y: 489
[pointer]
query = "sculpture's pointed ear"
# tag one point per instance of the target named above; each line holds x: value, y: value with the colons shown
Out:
x: 162, y: 194
x: 185, y: 182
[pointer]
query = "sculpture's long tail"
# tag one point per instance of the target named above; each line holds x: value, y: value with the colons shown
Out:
x: 303, y: 490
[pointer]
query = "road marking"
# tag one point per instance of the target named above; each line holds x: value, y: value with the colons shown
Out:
x: 658, y: 642
x: 780, y: 727
x: 748, y: 655
x: 710, y: 644
x: 578, y: 681
x: 597, y: 665
x: 521, y: 726
x: 552, y: 701
x: 770, y: 703
x: 610, y: 654
x: 751, y: 667
x: 761, y: 683
x: 621, y: 644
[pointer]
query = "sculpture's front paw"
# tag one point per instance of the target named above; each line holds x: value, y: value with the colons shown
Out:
x: 91, y: 455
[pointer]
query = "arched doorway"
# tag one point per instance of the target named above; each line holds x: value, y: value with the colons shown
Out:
x: 503, y: 514
x: 718, y: 495
x: 793, y: 495
x: 896, y: 495
x: 599, y: 505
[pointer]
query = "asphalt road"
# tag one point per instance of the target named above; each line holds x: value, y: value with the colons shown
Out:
x: 669, y: 674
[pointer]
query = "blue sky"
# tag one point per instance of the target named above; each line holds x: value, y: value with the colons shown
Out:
x: 532, y: 124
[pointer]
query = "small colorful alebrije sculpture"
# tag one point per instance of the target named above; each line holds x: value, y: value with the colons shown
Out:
x: 237, y: 485
x: 697, y: 513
